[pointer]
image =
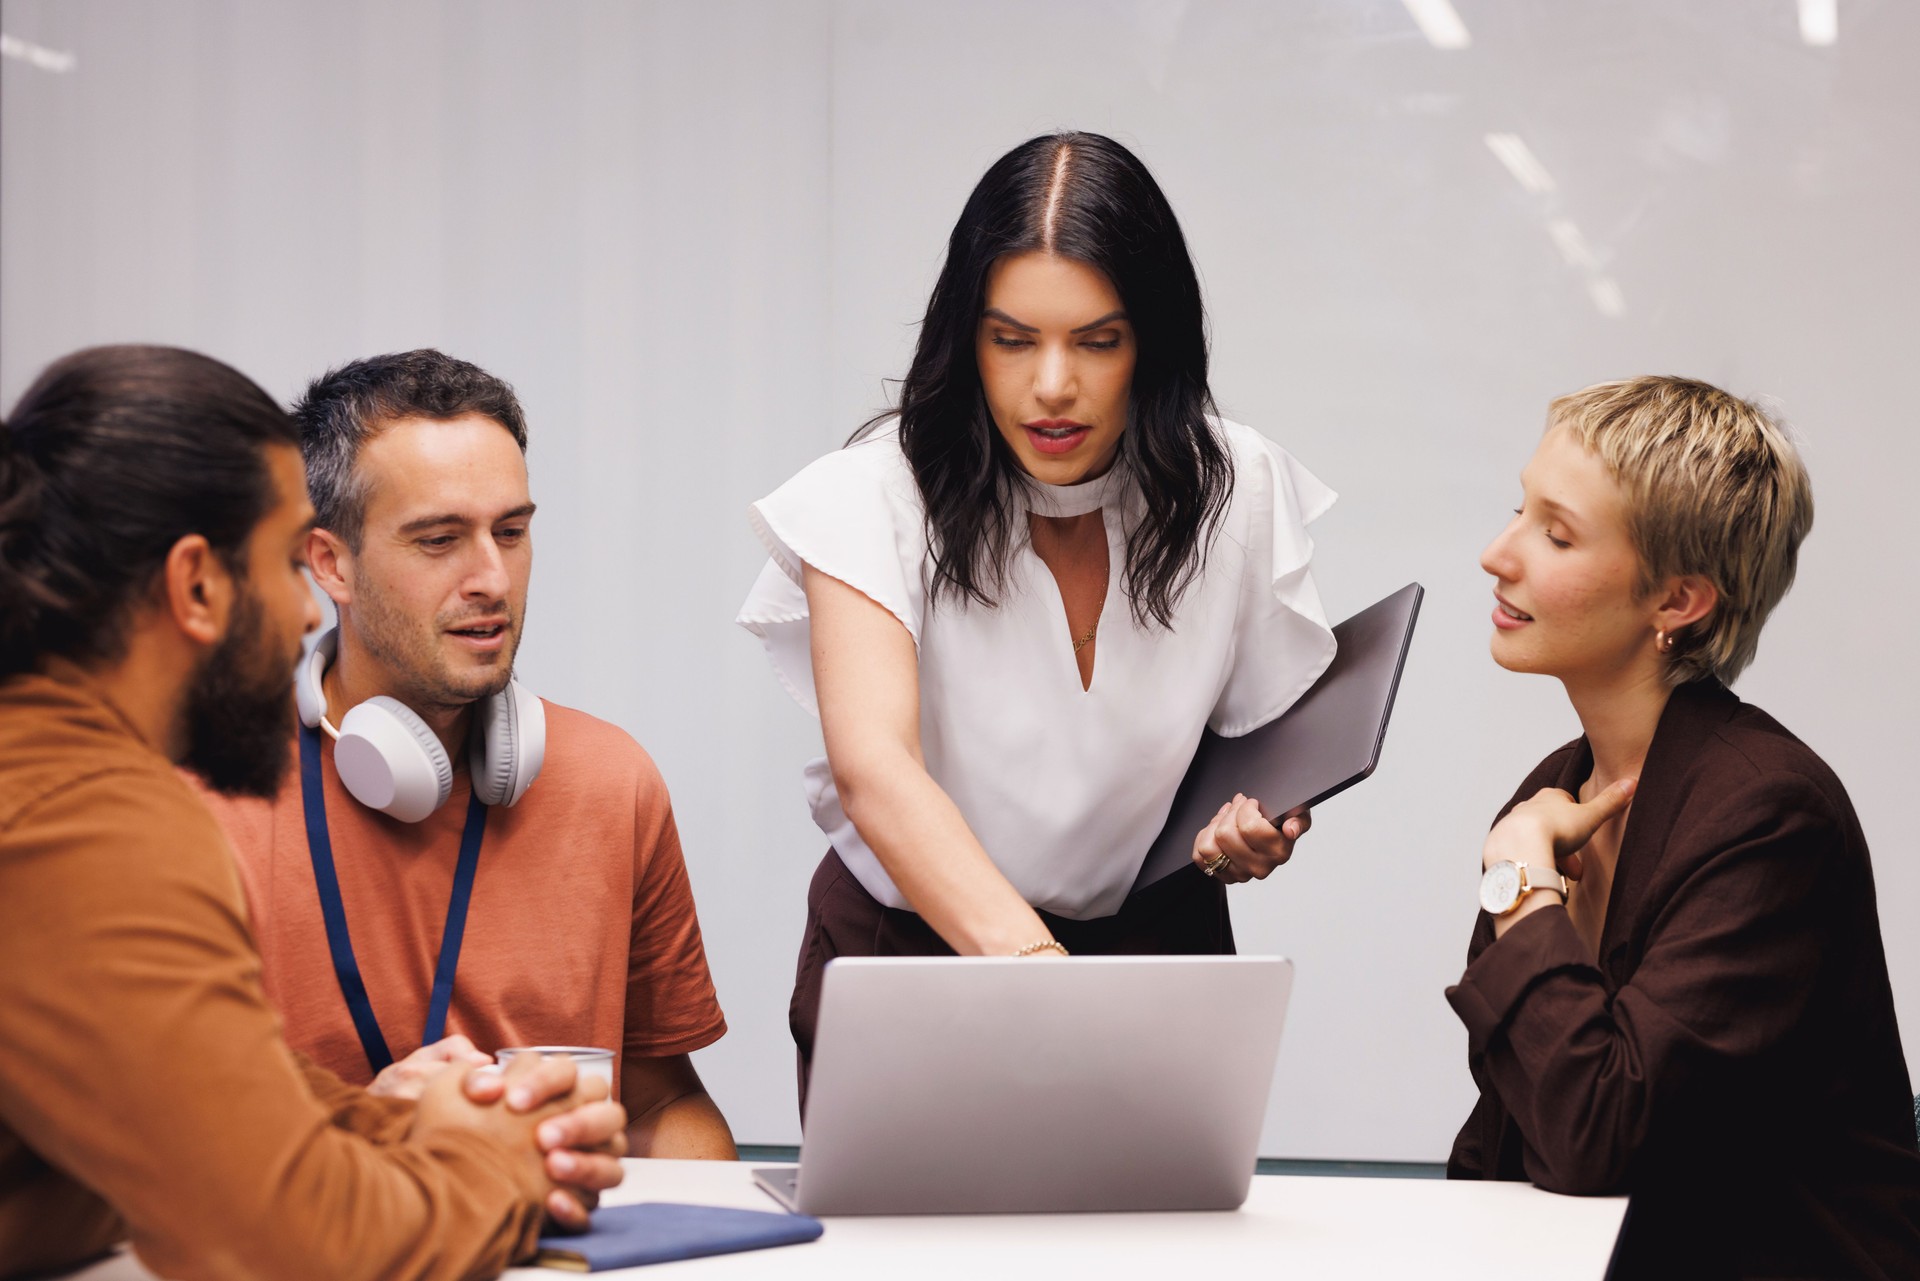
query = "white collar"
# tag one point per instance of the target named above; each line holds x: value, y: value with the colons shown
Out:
x: 1073, y: 500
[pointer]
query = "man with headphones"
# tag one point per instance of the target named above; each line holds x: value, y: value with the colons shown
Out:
x: 153, y: 527
x: 452, y: 855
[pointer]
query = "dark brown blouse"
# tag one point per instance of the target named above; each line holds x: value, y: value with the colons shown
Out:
x: 1733, y: 1061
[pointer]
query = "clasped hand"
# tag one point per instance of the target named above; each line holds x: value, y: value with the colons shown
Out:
x: 1253, y: 845
x: 578, y: 1134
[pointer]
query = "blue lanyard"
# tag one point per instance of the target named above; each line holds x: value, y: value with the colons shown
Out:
x: 334, y: 912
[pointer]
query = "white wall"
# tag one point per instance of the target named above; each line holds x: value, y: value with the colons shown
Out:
x: 696, y: 236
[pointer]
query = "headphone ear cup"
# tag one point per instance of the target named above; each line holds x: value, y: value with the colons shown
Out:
x: 509, y: 745
x: 309, y: 698
x: 389, y: 760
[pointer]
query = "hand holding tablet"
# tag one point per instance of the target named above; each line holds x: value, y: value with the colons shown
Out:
x: 1322, y: 745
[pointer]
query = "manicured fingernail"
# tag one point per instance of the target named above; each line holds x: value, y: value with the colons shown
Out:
x: 550, y: 1135
x: 564, y: 1162
x: 520, y: 1098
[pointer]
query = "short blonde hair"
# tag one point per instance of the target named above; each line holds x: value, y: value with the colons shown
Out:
x: 1714, y: 487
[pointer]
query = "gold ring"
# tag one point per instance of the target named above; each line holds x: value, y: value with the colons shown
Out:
x: 1213, y: 868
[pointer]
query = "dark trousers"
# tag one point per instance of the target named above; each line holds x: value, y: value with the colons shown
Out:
x: 1185, y: 914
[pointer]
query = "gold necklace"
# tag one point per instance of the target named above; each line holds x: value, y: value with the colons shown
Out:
x: 1083, y: 642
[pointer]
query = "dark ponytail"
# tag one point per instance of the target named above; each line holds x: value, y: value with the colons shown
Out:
x: 110, y: 458
x: 24, y: 598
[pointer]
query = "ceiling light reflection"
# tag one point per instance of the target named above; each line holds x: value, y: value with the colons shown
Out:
x: 1819, y: 21
x: 1520, y: 162
x: 1607, y: 297
x: 1572, y: 245
x: 1439, y: 23
x: 46, y: 59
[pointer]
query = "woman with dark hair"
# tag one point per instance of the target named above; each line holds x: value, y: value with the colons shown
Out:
x: 1055, y: 489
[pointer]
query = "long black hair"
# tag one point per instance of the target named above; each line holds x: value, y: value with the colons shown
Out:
x: 1084, y: 197
x: 110, y: 458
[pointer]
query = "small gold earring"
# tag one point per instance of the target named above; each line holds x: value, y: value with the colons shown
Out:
x: 1662, y: 641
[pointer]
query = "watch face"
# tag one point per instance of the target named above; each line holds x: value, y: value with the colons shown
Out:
x: 1500, y: 888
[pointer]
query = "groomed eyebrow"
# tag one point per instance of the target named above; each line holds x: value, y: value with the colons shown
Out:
x: 454, y: 518
x: 1107, y: 319
x: 994, y: 313
x: 1555, y: 508
x: 1560, y: 510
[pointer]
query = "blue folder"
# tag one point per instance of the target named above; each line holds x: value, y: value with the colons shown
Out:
x: 629, y: 1236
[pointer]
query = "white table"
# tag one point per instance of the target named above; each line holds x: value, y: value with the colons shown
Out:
x: 1291, y: 1227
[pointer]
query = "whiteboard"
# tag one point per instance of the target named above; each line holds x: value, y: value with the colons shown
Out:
x: 696, y: 236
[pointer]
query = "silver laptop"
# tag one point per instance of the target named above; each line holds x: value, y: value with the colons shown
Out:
x: 992, y: 1085
x: 1325, y: 743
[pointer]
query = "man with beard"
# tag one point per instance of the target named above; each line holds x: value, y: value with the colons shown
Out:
x: 153, y: 533
x: 522, y: 885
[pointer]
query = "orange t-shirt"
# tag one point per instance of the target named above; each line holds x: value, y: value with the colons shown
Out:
x: 581, y: 929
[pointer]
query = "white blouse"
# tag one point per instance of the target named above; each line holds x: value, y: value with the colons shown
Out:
x: 1065, y: 787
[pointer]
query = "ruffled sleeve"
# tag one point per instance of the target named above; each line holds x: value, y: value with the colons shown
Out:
x: 854, y: 515
x: 1281, y: 642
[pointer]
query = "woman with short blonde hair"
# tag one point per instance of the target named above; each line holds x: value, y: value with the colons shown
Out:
x: 1712, y: 486
x: 1676, y: 987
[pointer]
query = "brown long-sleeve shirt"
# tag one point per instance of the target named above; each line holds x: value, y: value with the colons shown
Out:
x: 1732, y: 1059
x: 145, y: 1090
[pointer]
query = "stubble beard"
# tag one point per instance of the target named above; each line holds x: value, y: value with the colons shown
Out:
x: 411, y: 654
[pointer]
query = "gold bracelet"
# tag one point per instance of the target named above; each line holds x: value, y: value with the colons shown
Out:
x: 1048, y: 944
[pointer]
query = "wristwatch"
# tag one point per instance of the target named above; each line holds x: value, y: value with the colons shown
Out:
x: 1505, y: 885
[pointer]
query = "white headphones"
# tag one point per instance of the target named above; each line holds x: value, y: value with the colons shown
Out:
x: 391, y: 761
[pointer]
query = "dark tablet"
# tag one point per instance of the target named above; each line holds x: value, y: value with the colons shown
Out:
x: 1323, y: 744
